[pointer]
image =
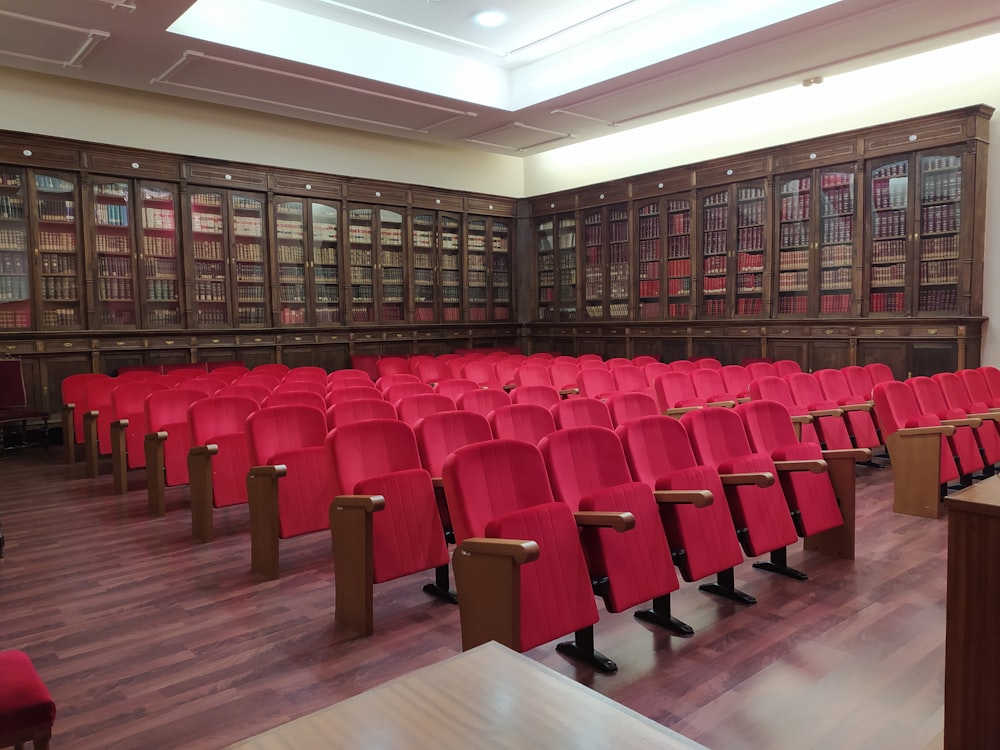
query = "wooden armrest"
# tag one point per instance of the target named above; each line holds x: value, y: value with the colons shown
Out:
x: 759, y: 478
x: 678, y: 411
x: 161, y: 435
x: 827, y: 412
x: 856, y: 454
x: 856, y: 407
x: 521, y: 551
x: 120, y: 424
x: 617, y: 521
x: 725, y: 404
x: 918, y: 431
x: 994, y: 415
x: 970, y: 422
x: 68, y: 407
x: 568, y: 391
x: 204, y: 450
x: 802, y: 419
x: 815, y: 465
x: 92, y: 414
x: 438, y: 482
x: 743, y: 399
x: 368, y: 503
x: 278, y: 470
x: 698, y: 498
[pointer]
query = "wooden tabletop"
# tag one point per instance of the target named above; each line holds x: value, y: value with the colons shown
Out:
x: 489, y: 697
x: 983, y: 498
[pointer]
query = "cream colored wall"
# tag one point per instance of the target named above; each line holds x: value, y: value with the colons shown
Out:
x: 48, y: 105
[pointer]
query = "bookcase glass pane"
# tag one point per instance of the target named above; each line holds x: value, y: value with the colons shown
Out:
x: 391, y: 263
x: 58, y: 233
x: 326, y: 273
x: 500, y: 262
x: 290, y: 257
x: 361, y: 265
x: 890, y: 189
x: 113, y: 253
x: 15, y: 269
x: 649, y: 260
x: 679, y: 268
x: 940, y: 227
x: 423, y: 240
x: 161, y: 277
x: 211, y: 297
x: 751, y: 248
x: 451, y: 269
x: 618, y: 262
x: 593, y: 264
x: 476, y: 259
x: 836, y: 241
x: 545, y: 259
x: 795, y: 208
x: 715, y: 248
x: 248, y: 259
x: 566, y: 240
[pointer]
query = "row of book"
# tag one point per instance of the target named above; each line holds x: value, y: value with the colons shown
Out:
x: 834, y: 303
x: 937, y: 300
x: 117, y: 317
x: 889, y: 193
x: 939, y: 272
x: 207, y: 250
x: 208, y: 270
x: 57, y: 211
x: 838, y: 200
x: 249, y: 252
x: 747, y: 306
x: 945, y: 217
x: 942, y: 187
x: 248, y: 226
x: 162, y: 246
x: 13, y: 239
x: 934, y: 248
x: 11, y: 207
x: 62, y: 242
x: 893, y: 275
x: 115, y: 290
x: 206, y: 223
x: 880, y: 302
x: 792, y: 304
x: 121, y: 267
x: 61, y: 317
x: 59, y: 264
x: 14, y: 263
x: 889, y: 224
x: 14, y: 288
x: 251, y: 315
x: 750, y: 238
x: 113, y: 244
x: 164, y: 317
x: 107, y: 214
x: 288, y: 230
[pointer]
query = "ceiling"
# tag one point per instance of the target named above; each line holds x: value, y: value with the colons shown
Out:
x: 126, y: 43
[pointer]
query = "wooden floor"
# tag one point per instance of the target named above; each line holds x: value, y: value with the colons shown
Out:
x: 148, y: 639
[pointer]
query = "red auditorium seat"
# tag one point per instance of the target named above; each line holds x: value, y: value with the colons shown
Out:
x: 392, y: 366
x: 97, y: 421
x: 309, y: 373
x: 827, y: 415
x: 27, y: 710
x: 74, y: 406
x: 127, y: 429
x: 483, y: 373
x: 563, y: 374
x: 762, y: 370
x: 483, y: 401
x: 411, y: 408
x: 349, y: 376
x: 292, y: 398
x: 786, y: 367
x: 709, y: 385
x: 736, y: 379
x: 963, y: 442
x: 357, y: 410
x: 257, y: 392
x: 433, y: 370
x: 879, y: 372
x: 770, y: 388
x: 676, y: 395
x: 857, y: 411
x: 542, y: 395
x: 455, y: 386
x: 393, y: 393
x: 978, y: 387
x: 653, y: 370
x: 532, y: 374
x: 958, y: 396
x: 352, y: 392
x: 528, y: 422
x: 631, y: 405
x: 629, y: 378
x: 581, y: 412
x: 167, y: 442
x: 595, y: 382
x: 641, y: 360
x: 384, y: 382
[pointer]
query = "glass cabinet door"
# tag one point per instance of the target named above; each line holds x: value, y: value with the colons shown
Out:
x: 113, y: 254
x: 795, y: 212
x: 751, y: 206
x: 451, y: 269
x: 619, y: 277
x: 391, y: 264
x: 836, y: 241
x: 475, y: 248
x: 939, y: 234
x: 290, y: 260
x: 679, y: 267
x: 593, y: 264
x: 58, y: 220
x: 649, y: 261
x: 715, y: 253
x: 325, y: 262
x: 500, y: 273
x: 546, y: 268
x: 210, y: 283
x: 423, y: 240
x: 160, y: 270
x: 15, y: 269
x: 890, y: 201
x: 566, y: 240
x: 361, y: 265
x: 250, y: 272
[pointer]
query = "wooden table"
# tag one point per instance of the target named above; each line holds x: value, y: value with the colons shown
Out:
x: 488, y: 697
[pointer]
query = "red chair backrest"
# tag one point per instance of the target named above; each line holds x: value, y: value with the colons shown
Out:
x: 736, y: 378
x: 859, y: 380
x: 772, y: 388
x: 532, y: 374
x: 786, y: 367
x: 371, y: 448
x: 583, y: 460
x: 129, y: 398
x: 707, y: 363
x: 717, y: 435
x: 481, y: 372
x: 317, y: 374
x: 455, y: 386
x: 642, y: 360
x: 625, y: 407
x: 768, y: 425
x: 257, y: 392
x: 482, y: 401
x: 283, y: 428
x: 392, y: 366
x: 433, y: 370
x: 653, y: 370
x: 411, y: 408
x: 351, y: 393
x: 289, y: 398
x: 74, y: 389
x: 273, y: 370
x: 219, y: 415
x: 674, y: 389
x: 528, y: 422
x: 563, y: 374
x: 349, y: 376
x: 396, y: 378
x: 629, y: 378
x: 264, y: 381
x: 394, y: 393
x: 708, y: 384
x: 595, y: 382
x: 312, y: 386
x: 762, y: 370
x: 441, y: 433
x: 655, y: 447
x: 169, y: 406
x: 542, y: 395
x: 581, y: 412
x: 358, y: 410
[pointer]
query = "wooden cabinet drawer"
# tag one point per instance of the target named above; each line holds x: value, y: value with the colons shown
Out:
x: 17, y: 347
x: 497, y: 206
x: 601, y: 196
x: 31, y: 154
x: 210, y: 174
x: 138, y: 165
x: 732, y: 170
x: 425, y: 199
x: 305, y: 184
x: 812, y: 155
x: 251, y: 339
x: 552, y: 204
x: 220, y: 340
x: 168, y: 342
x: 374, y: 193
x: 922, y: 135
x: 676, y: 181
x: 120, y: 343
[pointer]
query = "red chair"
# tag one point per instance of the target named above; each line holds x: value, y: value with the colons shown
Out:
x: 528, y: 422
x: 263, y: 381
x: 506, y: 368
x: 74, y: 406
x: 957, y: 396
x: 167, y: 442
x: 642, y: 360
x: 542, y: 395
x: 532, y: 374
x: 707, y: 363
x: 581, y: 412
x: 504, y: 518
x: 614, y: 363
x: 964, y: 446
x: 230, y: 372
x: 219, y: 459
x: 827, y: 415
x: 433, y: 370
x: 383, y: 383
x: 290, y: 484
x: 128, y: 429
x: 629, y: 378
x: 384, y: 519
x: 736, y: 379
x: 483, y: 373
x: 392, y: 366
x: 762, y: 370
x: 312, y: 386
x: 653, y: 370
x: 27, y: 711
x: 595, y: 382
x: 411, y: 408
x: 588, y: 472
x: 207, y: 384
x: 349, y: 376
x: 482, y: 401
x: 97, y: 421
x: 786, y: 367
x: 676, y: 395
x: 256, y: 392
x: 309, y: 373
x: 414, y: 361
x: 394, y: 393
x: 366, y: 363
x: 455, y: 386
x: 859, y: 380
x: 592, y: 358
x: 682, y: 365
x: 272, y: 370
x: 703, y: 538
x: 978, y: 387
x: 880, y: 372
x: 774, y: 388
x: 857, y: 411
x: 709, y: 385
x: 290, y: 398
x: 563, y: 374
x: 355, y: 392
x: 357, y: 410
x: 758, y: 505
x: 921, y: 458
x: 992, y: 377
x: 632, y: 405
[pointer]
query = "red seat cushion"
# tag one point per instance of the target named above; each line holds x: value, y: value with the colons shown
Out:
x: 761, y: 510
x: 229, y: 469
x: 25, y: 702
x: 305, y: 493
x: 809, y: 494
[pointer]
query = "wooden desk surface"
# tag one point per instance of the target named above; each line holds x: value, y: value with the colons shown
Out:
x: 983, y: 498
x: 489, y: 697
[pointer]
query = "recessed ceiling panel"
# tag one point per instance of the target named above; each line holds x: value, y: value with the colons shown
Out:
x: 45, y: 41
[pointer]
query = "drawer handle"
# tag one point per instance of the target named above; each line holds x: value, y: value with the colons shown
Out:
x: 119, y: 343
x: 828, y: 331
x: 932, y: 331
x: 169, y: 342
x: 68, y: 344
x: 216, y: 341
x: 879, y: 331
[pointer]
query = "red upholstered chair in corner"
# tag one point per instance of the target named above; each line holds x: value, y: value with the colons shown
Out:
x: 818, y: 485
x: 411, y: 408
x: 627, y: 406
x: 519, y: 568
x: 27, y: 711
x: 219, y: 459
x: 857, y: 411
x: 588, y: 472
x: 483, y: 401
x: 703, y: 539
x: 74, y: 407
x: 290, y: 484
x: 357, y: 410
x: 167, y: 442
x: 581, y: 412
x: 964, y: 443
x: 763, y: 522
x: 922, y: 461
x: 528, y: 422
x: 128, y: 429
x: 384, y: 520
x: 992, y: 377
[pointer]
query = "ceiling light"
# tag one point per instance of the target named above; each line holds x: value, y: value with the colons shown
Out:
x: 490, y: 18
